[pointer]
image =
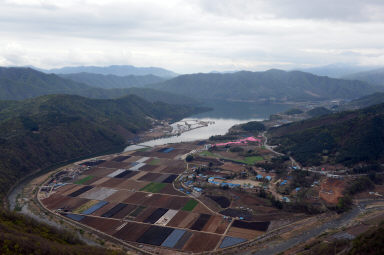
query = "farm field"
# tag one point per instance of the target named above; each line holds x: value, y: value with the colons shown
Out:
x: 131, y: 197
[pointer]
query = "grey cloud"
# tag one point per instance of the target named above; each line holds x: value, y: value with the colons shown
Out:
x: 338, y: 10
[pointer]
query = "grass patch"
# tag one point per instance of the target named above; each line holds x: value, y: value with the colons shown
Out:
x: 137, y: 211
x: 85, y: 206
x: 154, y: 162
x: 190, y: 205
x: 248, y: 160
x: 208, y: 154
x: 154, y: 187
x: 85, y: 179
x: 252, y: 160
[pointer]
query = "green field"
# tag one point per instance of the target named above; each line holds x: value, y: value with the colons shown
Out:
x: 154, y: 162
x: 190, y: 205
x: 208, y: 154
x: 154, y: 187
x: 85, y: 179
x: 252, y: 160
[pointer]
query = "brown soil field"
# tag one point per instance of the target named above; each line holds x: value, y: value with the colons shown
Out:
x: 132, y: 159
x: 52, y: 201
x: 244, y: 233
x: 145, y: 214
x: 331, y: 190
x: 127, y: 210
x: 93, y: 180
x: 65, y: 188
x: 103, y: 224
x: 177, y: 203
x: 247, y: 200
x: 189, y: 219
x: 71, y: 203
x: 104, y: 209
x: 200, y: 242
x: 216, y: 224
x: 162, y: 177
x: 131, y: 184
x: 150, y: 177
x: 99, y: 171
x: 69, y: 191
x: 232, y: 167
x: 58, y: 201
x: 138, y: 175
x: 100, y: 181
x: 157, y: 200
x: 112, y: 182
x: 119, y: 196
x: 208, y: 202
x: 132, y: 231
x: 136, y: 198
x: 114, y: 164
x: 168, y: 189
x: 173, y: 170
x: 178, y: 219
x: 149, y: 168
x: 199, y: 208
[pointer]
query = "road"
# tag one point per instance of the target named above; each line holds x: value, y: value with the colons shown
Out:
x: 268, y: 147
x: 337, y: 223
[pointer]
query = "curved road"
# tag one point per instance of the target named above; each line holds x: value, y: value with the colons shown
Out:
x: 284, y: 245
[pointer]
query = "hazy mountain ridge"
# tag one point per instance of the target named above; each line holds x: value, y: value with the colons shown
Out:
x: 119, y: 70
x: 113, y: 81
x: 273, y: 85
x: 375, y: 77
x: 335, y: 70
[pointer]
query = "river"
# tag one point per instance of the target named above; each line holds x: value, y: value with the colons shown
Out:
x: 224, y: 115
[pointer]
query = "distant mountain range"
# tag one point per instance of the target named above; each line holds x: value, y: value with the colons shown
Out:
x: 272, y: 85
x: 22, y: 83
x: 375, y: 77
x: 119, y: 70
x: 335, y: 70
x: 113, y: 81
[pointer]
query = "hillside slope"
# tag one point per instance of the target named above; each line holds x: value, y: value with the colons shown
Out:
x: 22, y: 235
x: 272, y: 85
x: 112, y: 81
x: 348, y: 138
x: 22, y: 83
x: 47, y: 130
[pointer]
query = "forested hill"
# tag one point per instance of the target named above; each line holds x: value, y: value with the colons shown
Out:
x: 348, y: 138
x: 43, y: 131
x: 113, y: 81
x: 376, y: 98
x: 22, y: 83
x: 269, y: 85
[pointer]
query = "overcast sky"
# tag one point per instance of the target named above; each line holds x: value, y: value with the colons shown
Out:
x: 192, y: 35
